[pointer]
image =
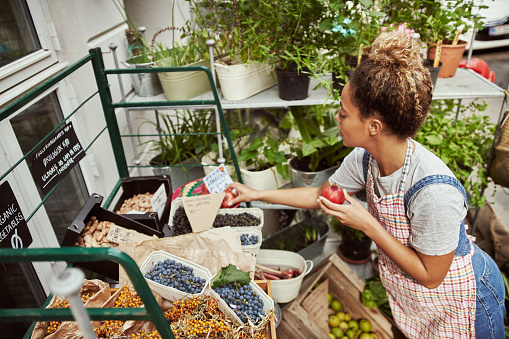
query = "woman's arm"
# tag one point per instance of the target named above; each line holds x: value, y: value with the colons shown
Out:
x: 301, y: 197
x: 427, y: 270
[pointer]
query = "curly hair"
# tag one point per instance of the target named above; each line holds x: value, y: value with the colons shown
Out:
x: 394, y: 84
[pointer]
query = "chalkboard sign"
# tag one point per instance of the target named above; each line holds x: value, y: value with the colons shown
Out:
x: 52, y: 161
x: 14, y: 231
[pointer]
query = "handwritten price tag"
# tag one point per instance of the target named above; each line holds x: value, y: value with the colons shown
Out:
x: 201, y: 210
x: 158, y: 200
x: 217, y: 180
x: 118, y: 234
x: 317, y: 304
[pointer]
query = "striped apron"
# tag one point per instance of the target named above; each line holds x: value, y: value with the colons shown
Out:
x: 447, y: 311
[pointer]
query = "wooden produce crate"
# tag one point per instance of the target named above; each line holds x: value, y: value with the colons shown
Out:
x: 344, y: 285
x: 266, y: 287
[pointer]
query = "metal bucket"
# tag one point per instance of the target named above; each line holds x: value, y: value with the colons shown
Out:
x: 145, y: 84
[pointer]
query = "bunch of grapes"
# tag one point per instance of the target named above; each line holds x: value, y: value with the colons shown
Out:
x: 243, y: 300
x: 181, y: 224
x: 245, y: 239
x: 174, y: 274
x: 241, y: 219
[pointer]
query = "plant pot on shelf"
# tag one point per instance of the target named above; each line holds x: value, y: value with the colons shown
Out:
x: 433, y: 71
x: 354, y: 250
x: 183, y: 85
x: 292, y: 85
x: 266, y: 179
x: 145, y: 84
x: 450, y: 57
x: 300, y: 176
x: 242, y: 80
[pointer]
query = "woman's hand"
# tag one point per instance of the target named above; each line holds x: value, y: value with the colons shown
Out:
x: 242, y: 193
x: 353, y: 215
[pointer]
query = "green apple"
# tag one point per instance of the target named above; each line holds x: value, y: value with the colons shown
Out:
x: 336, y: 305
x: 334, y: 321
x: 364, y: 325
x: 338, y: 333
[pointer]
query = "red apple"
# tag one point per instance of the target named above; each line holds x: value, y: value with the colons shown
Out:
x: 204, y: 189
x: 227, y: 198
x: 334, y: 194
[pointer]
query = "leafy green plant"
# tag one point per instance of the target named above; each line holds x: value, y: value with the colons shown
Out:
x: 462, y: 140
x: 181, y: 136
x: 374, y: 295
x: 319, y: 135
x: 344, y: 230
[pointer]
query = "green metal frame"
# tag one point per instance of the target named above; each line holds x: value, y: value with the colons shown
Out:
x: 151, y: 311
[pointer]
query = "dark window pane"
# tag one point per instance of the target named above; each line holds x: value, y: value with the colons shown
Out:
x: 18, y: 37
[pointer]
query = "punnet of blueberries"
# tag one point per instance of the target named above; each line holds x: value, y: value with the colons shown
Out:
x: 177, y: 275
x: 181, y: 224
x: 243, y: 300
x: 245, y: 239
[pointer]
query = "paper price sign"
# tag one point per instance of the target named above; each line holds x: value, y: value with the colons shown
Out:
x: 217, y: 180
x: 158, y: 201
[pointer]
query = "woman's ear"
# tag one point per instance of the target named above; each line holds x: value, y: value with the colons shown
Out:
x: 375, y: 126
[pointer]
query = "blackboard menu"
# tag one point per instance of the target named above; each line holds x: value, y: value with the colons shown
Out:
x: 53, y: 160
x: 14, y: 231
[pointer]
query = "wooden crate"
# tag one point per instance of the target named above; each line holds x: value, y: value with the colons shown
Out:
x: 345, y: 285
x: 266, y: 287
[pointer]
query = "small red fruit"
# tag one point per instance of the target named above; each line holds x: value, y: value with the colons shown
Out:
x: 227, y: 198
x: 204, y: 189
x: 334, y: 194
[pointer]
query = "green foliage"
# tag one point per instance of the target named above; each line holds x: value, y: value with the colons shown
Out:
x: 346, y: 231
x: 182, y: 136
x: 229, y: 274
x: 374, y: 295
x: 463, y: 144
x: 319, y: 133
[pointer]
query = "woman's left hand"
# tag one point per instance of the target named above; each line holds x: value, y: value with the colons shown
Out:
x: 353, y: 215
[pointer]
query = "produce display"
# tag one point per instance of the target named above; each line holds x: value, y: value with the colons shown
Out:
x: 343, y: 326
x: 268, y: 273
x: 334, y: 194
x: 242, y: 300
x: 54, y: 325
x: 94, y: 234
x: 176, y: 275
x: 245, y: 239
x: 181, y: 224
x: 139, y: 202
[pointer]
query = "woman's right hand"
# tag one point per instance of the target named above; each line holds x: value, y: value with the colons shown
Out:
x: 242, y: 193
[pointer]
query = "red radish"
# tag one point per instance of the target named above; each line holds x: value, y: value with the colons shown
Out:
x: 334, y: 194
x: 227, y: 198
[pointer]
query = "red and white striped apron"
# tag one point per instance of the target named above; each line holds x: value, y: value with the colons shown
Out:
x: 447, y: 311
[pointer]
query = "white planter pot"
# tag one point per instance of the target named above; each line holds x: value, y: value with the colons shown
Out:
x: 242, y: 80
x: 263, y: 180
x: 207, y: 160
x: 184, y: 85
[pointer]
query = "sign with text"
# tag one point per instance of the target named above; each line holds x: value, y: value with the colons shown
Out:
x: 52, y: 161
x: 217, y: 180
x: 158, y: 201
x: 316, y: 303
x: 14, y: 232
x: 118, y: 234
x: 201, y: 210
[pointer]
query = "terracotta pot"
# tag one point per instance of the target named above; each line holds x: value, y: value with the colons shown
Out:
x: 450, y: 57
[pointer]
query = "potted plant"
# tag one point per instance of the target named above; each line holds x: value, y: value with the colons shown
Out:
x: 140, y: 56
x: 462, y: 140
x: 241, y: 70
x: 345, y: 32
x: 318, y: 152
x: 181, y: 142
x: 355, y: 247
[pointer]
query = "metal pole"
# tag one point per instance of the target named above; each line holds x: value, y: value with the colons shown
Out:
x: 68, y: 284
x: 137, y: 162
x: 220, y: 158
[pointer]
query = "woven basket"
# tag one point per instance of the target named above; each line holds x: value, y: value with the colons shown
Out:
x: 499, y: 170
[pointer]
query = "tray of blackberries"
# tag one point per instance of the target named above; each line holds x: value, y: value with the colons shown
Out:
x: 233, y: 217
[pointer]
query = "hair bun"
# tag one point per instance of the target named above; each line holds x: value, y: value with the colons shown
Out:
x: 396, y: 49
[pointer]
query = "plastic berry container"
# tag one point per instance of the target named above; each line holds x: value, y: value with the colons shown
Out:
x: 253, y: 248
x: 167, y: 292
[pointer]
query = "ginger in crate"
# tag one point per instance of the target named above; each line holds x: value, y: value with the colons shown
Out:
x: 95, y: 233
x: 139, y: 202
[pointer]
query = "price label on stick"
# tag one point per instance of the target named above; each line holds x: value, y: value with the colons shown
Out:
x: 201, y: 210
x: 158, y: 200
x: 217, y: 180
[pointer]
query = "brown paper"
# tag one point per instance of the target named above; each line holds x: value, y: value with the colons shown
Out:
x: 201, y: 210
x: 69, y: 329
x: 317, y: 305
x: 118, y: 234
x: 212, y: 249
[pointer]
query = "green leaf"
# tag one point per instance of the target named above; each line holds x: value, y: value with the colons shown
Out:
x: 434, y: 139
x: 228, y: 274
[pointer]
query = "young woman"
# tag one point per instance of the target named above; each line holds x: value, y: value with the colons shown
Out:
x: 439, y: 283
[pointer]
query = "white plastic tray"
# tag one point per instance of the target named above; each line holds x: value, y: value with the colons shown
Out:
x: 170, y: 293
x: 250, y: 231
x: 255, y: 211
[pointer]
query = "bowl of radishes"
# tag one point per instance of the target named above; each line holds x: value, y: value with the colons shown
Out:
x: 285, y: 270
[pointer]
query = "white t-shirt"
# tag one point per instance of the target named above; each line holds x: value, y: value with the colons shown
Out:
x: 435, y: 212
